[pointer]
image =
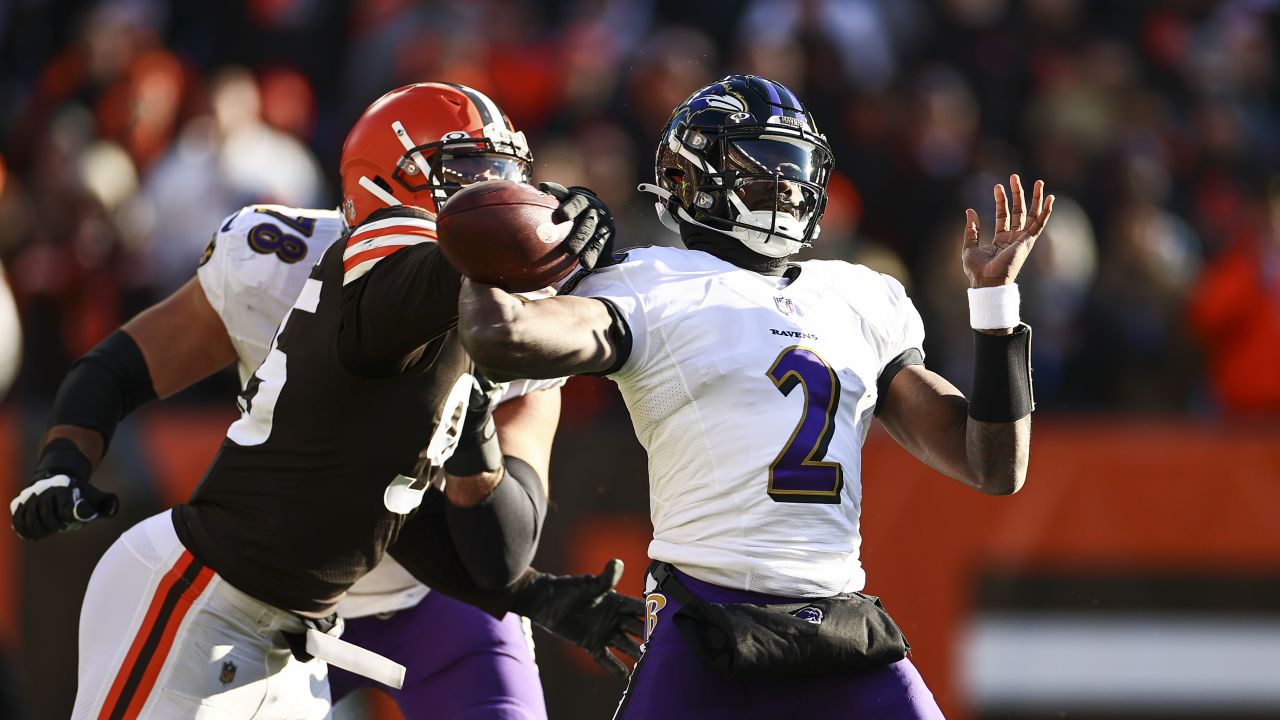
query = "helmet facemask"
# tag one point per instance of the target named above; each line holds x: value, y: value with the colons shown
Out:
x: 458, y: 160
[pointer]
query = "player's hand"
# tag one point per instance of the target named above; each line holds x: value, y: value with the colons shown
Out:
x: 585, y: 610
x: 56, y: 503
x: 999, y: 260
x: 591, y: 237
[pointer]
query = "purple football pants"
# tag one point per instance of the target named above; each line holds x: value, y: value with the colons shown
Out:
x: 670, y: 681
x: 460, y: 663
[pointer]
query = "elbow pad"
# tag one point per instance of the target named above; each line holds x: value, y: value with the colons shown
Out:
x: 426, y: 549
x: 109, y: 382
x: 496, y: 539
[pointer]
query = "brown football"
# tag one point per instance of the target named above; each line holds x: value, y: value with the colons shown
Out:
x: 500, y: 232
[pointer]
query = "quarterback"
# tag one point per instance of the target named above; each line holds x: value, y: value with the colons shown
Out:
x: 461, y: 661
x: 751, y: 379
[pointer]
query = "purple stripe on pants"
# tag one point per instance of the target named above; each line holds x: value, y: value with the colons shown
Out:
x: 671, y: 683
x: 461, y: 663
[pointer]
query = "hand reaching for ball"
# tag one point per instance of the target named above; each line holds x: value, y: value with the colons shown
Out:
x: 591, y: 237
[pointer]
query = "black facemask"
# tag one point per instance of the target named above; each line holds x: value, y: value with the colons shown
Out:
x: 730, y: 250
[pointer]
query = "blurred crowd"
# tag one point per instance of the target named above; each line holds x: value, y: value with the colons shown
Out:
x: 130, y: 128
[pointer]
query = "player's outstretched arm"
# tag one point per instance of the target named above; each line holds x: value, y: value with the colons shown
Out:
x: 163, y: 350
x: 496, y: 489
x: 983, y: 441
x: 581, y: 609
x: 513, y: 338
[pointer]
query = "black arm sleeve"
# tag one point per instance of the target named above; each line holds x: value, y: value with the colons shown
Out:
x: 497, y: 537
x: 104, y: 386
x: 405, y: 301
x: 426, y: 549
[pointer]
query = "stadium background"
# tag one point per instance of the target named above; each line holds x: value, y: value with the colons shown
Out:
x: 1136, y: 576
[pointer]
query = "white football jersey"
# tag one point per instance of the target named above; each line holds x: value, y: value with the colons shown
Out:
x: 251, y: 273
x: 752, y: 396
x: 254, y: 268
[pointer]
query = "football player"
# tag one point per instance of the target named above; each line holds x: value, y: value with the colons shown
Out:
x: 751, y: 380
x: 301, y: 484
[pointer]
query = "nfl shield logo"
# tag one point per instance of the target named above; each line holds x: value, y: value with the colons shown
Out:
x: 228, y: 673
x: 785, y: 305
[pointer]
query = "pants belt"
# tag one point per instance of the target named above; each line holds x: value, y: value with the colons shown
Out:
x: 315, y: 638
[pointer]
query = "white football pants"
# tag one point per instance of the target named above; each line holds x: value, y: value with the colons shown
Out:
x: 163, y: 636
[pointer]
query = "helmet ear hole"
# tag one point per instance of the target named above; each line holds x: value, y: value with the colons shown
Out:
x: 673, y: 174
x: 377, y: 180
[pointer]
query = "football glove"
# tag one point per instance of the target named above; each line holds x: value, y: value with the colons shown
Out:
x: 591, y: 237
x: 54, y: 503
x: 585, y: 610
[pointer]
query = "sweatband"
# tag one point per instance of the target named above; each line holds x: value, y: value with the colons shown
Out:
x: 1002, y: 376
x: 61, y: 456
x: 497, y: 537
x: 108, y: 383
x: 994, y: 308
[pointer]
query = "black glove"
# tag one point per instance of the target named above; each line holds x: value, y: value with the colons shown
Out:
x: 57, y: 498
x: 478, y: 449
x: 591, y: 237
x: 584, y: 610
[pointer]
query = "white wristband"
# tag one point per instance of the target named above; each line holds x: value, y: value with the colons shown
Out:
x: 994, y: 308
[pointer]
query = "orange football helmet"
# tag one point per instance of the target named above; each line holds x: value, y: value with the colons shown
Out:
x: 419, y: 144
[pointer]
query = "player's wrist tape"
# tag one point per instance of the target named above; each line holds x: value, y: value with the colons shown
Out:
x: 994, y: 308
x: 477, y: 451
x: 61, y: 456
x: 1002, y: 376
x: 496, y: 538
x: 104, y: 386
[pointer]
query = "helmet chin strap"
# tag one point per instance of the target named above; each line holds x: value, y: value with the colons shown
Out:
x: 377, y: 191
x: 766, y: 245
x: 731, y: 250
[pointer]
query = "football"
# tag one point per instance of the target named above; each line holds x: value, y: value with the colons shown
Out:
x: 500, y: 232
